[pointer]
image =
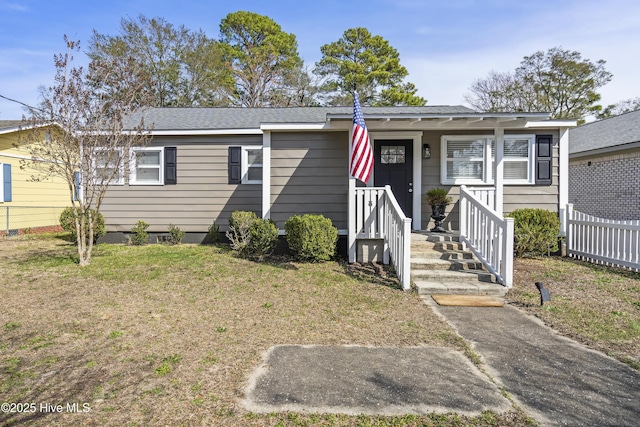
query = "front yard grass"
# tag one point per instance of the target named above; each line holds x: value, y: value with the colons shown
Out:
x: 167, y: 335
x: 596, y: 305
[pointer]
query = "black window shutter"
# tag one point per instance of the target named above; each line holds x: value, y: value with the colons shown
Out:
x: 170, y: 165
x: 544, y: 159
x: 235, y: 171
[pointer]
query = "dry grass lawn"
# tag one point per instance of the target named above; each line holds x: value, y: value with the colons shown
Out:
x: 162, y: 335
x: 596, y: 305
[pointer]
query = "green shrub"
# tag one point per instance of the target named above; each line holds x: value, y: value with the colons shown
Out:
x: 535, y: 232
x: 176, y: 234
x: 238, y: 233
x: 214, y: 233
x: 139, y: 235
x: 311, y: 237
x: 263, y: 238
x: 68, y: 223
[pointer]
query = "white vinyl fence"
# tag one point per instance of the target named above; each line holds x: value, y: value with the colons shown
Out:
x: 603, y: 241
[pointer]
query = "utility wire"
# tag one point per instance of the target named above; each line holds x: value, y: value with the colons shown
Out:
x: 21, y: 103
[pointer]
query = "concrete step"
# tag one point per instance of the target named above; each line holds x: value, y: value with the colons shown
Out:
x: 428, y: 263
x: 427, y: 236
x: 452, y: 276
x: 440, y: 265
x: 460, y: 288
x: 452, y: 254
x: 438, y: 246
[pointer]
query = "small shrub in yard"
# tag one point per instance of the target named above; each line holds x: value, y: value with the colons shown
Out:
x: 68, y: 223
x: 238, y: 233
x: 176, y: 234
x: 311, y: 237
x: 263, y: 238
x: 139, y: 235
x: 214, y: 233
x: 535, y: 232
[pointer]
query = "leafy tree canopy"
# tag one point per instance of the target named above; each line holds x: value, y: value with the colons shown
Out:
x: 618, y: 108
x: 557, y: 81
x: 182, y: 67
x: 368, y: 64
x: 263, y: 58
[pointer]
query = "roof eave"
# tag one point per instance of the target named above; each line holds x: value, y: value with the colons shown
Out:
x: 605, y: 150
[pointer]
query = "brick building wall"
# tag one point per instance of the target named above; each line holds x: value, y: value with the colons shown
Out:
x: 606, y: 186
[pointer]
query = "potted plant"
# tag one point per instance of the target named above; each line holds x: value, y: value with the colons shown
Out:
x: 438, y: 198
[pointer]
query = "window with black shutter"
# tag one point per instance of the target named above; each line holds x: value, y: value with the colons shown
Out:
x: 170, y: 165
x: 544, y: 159
x: 235, y: 165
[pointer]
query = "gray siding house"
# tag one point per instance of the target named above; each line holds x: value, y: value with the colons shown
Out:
x: 204, y: 163
x: 604, y: 167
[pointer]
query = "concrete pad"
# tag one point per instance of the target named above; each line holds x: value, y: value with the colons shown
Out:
x: 370, y: 380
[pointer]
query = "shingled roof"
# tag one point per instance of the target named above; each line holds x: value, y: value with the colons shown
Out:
x: 616, y: 131
x: 9, y: 124
x: 252, y: 118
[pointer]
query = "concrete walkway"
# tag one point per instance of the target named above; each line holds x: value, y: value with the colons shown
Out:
x: 553, y: 379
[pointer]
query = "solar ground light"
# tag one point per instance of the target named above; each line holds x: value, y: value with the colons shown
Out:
x: 544, y: 293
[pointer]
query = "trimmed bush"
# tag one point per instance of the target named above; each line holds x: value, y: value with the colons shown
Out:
x: 535, y: 232
x: 238, y: 232
x: 139, y: 235
x: 263, y: 238
x: 68, y: 223
x: 311, y: 237
x: 176, y: 234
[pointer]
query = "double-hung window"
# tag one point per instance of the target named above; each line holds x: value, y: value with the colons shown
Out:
x: 251, y: 165
x: 518, y: 159
x: 146, y: 166
x: 470, y: 159
x: 108, y: 167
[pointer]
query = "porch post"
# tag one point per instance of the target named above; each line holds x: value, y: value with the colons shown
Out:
x: 351, y: 220
x: 498, y: 170
x: 563, y: 181
x: 417, y: 183
x: 266, y: 174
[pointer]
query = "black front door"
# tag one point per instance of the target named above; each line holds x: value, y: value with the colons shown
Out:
x: 394, y: 167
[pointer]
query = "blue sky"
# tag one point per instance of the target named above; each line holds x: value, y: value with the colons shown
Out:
x: 445, y: 44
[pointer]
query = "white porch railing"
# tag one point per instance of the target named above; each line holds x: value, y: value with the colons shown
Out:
x: 488, y: 235
x: 378, y: 216
x: 486, y: 195
x: 603, y: 241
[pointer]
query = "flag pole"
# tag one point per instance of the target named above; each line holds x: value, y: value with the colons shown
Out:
x: 351, y: 206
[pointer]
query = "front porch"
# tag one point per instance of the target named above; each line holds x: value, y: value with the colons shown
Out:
x: 477, y: 259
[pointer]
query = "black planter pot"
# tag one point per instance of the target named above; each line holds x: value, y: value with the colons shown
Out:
x: 438, y: 215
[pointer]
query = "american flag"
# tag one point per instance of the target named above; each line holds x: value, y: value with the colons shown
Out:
x: 361, y: 153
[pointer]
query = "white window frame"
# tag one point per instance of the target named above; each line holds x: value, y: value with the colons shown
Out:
x: 133, y: 167
x: 120, y: 178
x: 531, y: 164
x: 488, y: 160
x: 244, y: 164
